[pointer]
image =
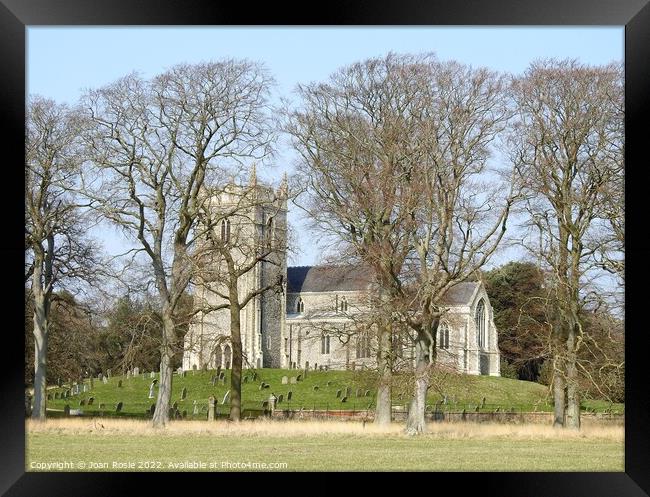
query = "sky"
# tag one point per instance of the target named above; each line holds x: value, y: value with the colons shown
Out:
x: 64, y: 61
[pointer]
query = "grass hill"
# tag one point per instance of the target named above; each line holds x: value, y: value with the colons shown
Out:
x: 317, y: 391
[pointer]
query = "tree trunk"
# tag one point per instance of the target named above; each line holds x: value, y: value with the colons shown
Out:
x: 383, y: 409
x: 558, y: 392
x: 41, y: 318
x: 573, y: 400
x: 415, y: 423
x: 161, y: 414
x: 235, y: 377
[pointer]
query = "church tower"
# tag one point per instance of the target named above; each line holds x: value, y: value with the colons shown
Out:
x: 246, y: 225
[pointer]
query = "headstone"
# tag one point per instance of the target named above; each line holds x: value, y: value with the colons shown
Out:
x: 338, y: 394
x: 444, y: 400
x: 226, y: 398
x: 128, y: 374
x: 280, y: 398
x: 91, y: 400
x: 477, y: 408
x: 118, y: 407
x: 306, y: 365
x: 344, y: 399
x: 254, y: 375
x: 329, y: 383
x: 245, y: 379
x: 347, y: 391
x: 152, y: 374
x: 367, y: 393
x: 101, y: 406
x: 272, y: 400
x: 82, y: 402
x: 119, y: 384
x: 483, y: 402
x: 262, y: 386
x: 266, y: 385
x: 104, y: 380
x: 85, y: 388
x: 184, y: 393
x: 213, y: 380
x: 196, y: 408
x: 59, y: 383
x: 315, y: 366
x: 56, y: 395
x: 152, y: 409
x: 108, y: 373
x: 66, y: 410
x: 222, y: 375
x: 285, y: 380
x: 299, y: 377
x: 265, y: 404
x: 289, y: 395
x: 151, y: 390
x: 136, y: 371
x: 315, y: 387
x: 358, y: 392
x: 211, y: 408
x: 293, y: 380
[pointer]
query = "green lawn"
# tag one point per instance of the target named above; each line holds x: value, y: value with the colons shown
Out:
x: 462, y: 391
x: 336, y: 452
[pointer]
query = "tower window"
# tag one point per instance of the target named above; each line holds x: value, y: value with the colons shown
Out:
x: 344, y: 304
x: 300, y: 305
x: 363, y: 345
x: 225, y: 230
x: 480, y: 324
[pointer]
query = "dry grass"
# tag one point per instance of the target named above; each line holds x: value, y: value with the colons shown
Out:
x: 288, y: 429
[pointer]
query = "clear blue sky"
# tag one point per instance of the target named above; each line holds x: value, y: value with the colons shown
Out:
x: 63, y: 61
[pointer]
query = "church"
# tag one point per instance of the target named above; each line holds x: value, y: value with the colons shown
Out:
x: 312, y: 319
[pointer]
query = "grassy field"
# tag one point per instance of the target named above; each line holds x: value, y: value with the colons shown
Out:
x: 312, y: 392
x: 131, y: 445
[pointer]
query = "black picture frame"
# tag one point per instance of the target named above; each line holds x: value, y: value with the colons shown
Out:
x: 16, y: 15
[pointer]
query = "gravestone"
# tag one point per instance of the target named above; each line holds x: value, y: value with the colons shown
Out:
x: 196, y: 408
x: 179, y: 371
x: 184, y: 393
x: 104, y: 380
x: 152, y: 374
x: 347, y: 391
x: 151, y: 390
x: 285, y: 380
x: 118, y: 407
x: 266, y: 385
x: 293, y: 380
x: 338, y: 394
x: 280, y: 398
x: 218, y: 371
x: 477, y: 408
x: 483, y: 402
x: 265, y: 404
x: 101, y: 406
x: 226, y: 398
x: 136, y: 371
x: 367, y: 393
x: 262, y: 386
x: 358, y: 392
x: 91, y: 400
x: 108, y: 373
x: 254, y: 375
x: 213, y: 380
x: 444, y: 400
x: 56, y: 395
x: 82, y: 402
x: 211, y: 408
x: 119, y: 384
x: 329, y: 383
x: 85, y: 388
x: 66, y: 410
x: 299, y: 377
x: 128, y: 374
x: 315, y: 366
x: 344, y: 399
x: 289, y: 394
x: 59, y: 383
x: 306, y: 365
x: 315, y: 387
x: 272, y: 400
x: 184, y: 374
x: 245, y: 379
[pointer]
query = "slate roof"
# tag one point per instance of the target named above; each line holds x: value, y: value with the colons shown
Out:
x: 327, y: 279
x: 460, y: 293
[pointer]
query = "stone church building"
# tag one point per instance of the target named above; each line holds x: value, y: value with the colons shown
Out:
x: 314, y: 321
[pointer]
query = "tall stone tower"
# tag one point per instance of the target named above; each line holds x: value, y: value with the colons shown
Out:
x: 246, y: 231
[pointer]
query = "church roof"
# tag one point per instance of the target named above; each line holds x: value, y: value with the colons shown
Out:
x: 461, y: 293
x: 327, y: 279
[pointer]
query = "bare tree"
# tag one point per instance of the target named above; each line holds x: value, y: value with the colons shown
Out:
x: 56, y: 245
x: 154, y: 146
x: 240, y: 258
x: 567, y: 145
x: 355, y: 138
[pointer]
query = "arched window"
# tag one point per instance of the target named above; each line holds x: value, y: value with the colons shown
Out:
x: 479, y: 319
x: 344, y: 304
x: 225, y: 230
x: 443, y: 336
x: 269, y: 232
x: 324, y: 344
x: 363, y: 345
x: 300, y: 305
